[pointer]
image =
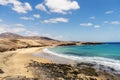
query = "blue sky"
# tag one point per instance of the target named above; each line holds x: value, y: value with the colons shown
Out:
x: 75, y: 20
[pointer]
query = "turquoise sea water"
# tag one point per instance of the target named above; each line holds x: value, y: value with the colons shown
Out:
x: 104, y: 54
x: 111, y: 51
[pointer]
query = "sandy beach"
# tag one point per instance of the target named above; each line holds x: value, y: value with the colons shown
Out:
x: 25, y: 64
x: 13, y: 63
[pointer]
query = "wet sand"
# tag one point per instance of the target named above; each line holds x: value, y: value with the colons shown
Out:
x: 54, y: 58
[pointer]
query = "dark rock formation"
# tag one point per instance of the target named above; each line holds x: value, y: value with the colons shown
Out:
x: 1, y: 71
x: 67, y: 72
x: 91, y: 43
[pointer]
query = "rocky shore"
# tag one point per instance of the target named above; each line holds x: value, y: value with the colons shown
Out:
x: 53, y: 71
x: 81, y: 71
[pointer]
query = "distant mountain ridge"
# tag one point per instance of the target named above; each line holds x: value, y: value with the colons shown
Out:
x: 11, y: 41
x: 17, y: 36
x: 10, y: 35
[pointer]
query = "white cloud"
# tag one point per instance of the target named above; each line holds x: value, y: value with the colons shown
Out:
x: 40, y: 7
x: 90, y: 25
x: 115, y: 22
x: 22, y: 9
x: 4, y: 2
x: 86, y: 24
x: 62, y: 6
x: 112, y: 22
x: 92, y: 17
x: 109, y: 12
x: 97, y: 26
x: 55, y: 20
x: 57, y: 37
x: 36, y: 16
x: 27, y: 18
x: 16, y: 30
x: 17, y: 5
x: 32, y: 33
x: 59, y: 6
x: 47, y: 35
x: 19, y: 25
x: 1, y: 20
x: 11, y: 28
x: 105, y: 22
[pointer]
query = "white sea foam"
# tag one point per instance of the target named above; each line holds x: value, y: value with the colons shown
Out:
x: 115, y: 64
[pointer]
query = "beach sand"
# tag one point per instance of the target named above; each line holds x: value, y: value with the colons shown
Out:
x: 26, y: 63
x: 54, y: 58
x: 13, y: 63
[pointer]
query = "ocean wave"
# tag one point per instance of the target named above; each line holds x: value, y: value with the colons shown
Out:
x: 111, y: 63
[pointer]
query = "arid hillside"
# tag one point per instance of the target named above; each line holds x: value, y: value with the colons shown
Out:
x: 10, y: 41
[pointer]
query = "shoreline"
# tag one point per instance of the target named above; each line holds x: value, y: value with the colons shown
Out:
x: 54, y: 58
x: 70, y: 59
x: 16, y: 63
x: 58, y: 59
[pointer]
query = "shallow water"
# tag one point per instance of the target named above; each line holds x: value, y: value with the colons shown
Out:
x: 105, y: 54
x: 111, y: 51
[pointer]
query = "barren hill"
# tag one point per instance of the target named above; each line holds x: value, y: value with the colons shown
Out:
x: 11, y: 41
x: 17, y: 36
